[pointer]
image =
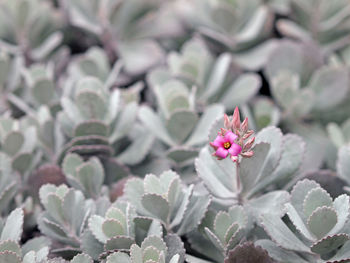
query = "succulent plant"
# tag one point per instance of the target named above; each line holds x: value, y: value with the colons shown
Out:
x: 319, y: 224
x: 65, y: 215
x: 35, y: 250
x: 304, y: 88
x: 94, y: 120
x: 224, y: 230
x: 179, y: 208
x: 239, y: 25
x: 215, y: 79
x: 177, y: 123
x: 29, y: 27
x: 124, y: 28
x: 324, y: 22
x: 277, y: 158
x: 86, y: 176
x: 115, y: 231
x: 152, y: 249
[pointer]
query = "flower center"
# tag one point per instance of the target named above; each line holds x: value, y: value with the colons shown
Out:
x: 227, y: 145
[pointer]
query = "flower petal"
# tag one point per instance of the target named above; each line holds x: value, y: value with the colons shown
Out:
x: 221, y: 153
x: 230, y: 136
x: 235, y: 149
x: 218, y: 142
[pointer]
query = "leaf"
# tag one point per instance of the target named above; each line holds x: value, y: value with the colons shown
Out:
x: 95, y: 226
x: 91, y: 245
x: 180, y: 155
x: 291, y: 159
x: 329, y: 243
x: 217, y: 179
x: 9, y: 257
x: 324, y: 82
x: 214, y: 239
x: 180, y: 124
x: 241, y: 91
x: 82, y: 258
x: 255, y: 57
x: 153, y: 123
x: 299, y: 192
x: 71, y: 162
x: 175, y: 247
x: 43, y: 91
x: 119, y: 242
x: 281, y: 234
x: 118, y: 257
x: 221, y: 224
x: 317, y: 197
x: 112, y: 228
x: 75, y: 210
x: 270, y: 203
x: 140, y: 55
x: 21, y: 162
x: 156, y: 205
x: 13, y: 227
x: 322, y: 220
x: 12, y: 246
x: 194, y: 214
x: 199, y: 134
x: 91, y: 127
x: 13, y: 143
x: 250, y: 167
x: 298, y: 222
x: 343, y: 164
x: 218, y: 75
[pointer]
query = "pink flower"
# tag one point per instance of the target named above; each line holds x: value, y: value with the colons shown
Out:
x: 225, y: 145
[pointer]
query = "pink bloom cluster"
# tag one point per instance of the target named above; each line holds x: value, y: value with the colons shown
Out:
x: 231, y: 140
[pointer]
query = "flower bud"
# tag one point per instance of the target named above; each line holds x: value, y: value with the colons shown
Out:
x: 244, y: 126
x: 248, y: 134
x: 249, y: 143
x: 236, y: 121
x: 227, y: 122
x: 247, y: 154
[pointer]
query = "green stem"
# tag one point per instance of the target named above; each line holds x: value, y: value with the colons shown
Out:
x: 238, y: 183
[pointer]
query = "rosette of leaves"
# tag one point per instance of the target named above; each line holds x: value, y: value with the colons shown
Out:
x: 215, y: 79
x: 41, y: 87
x: 302, y: 85
x: 305, y: 88
x: 277, y: 159
x: 179, y: 208
x: 322, y: 21
x: 85, y: 176
x: 64, y: 218
x: 152, y: 250
x: 94, y: 62
x: 126, y: 28
x: 97, y: 123
x: 177, y: 123
x: 238, y: 25
x: 224, y: 231
x: 29, y: 27
x: 115, y: 230
x: 319, y: 224
x: 18, y: 141
x: 34, y: 250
